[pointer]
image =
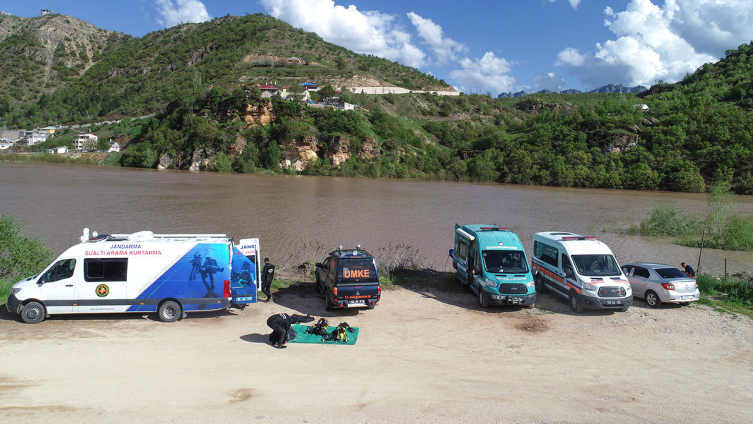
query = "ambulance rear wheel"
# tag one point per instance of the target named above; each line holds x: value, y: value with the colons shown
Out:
x: 169, y: 311
x: 33, y: 313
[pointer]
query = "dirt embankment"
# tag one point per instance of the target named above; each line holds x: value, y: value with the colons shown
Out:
x: 422, y: 356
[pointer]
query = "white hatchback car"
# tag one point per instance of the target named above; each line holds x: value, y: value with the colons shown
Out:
x: 659, y: 283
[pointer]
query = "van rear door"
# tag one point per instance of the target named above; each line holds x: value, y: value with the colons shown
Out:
x: 244, y: 281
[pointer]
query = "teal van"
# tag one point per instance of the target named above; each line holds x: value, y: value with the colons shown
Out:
x: 492, y: 262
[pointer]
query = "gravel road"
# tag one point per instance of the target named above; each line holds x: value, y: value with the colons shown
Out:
x: 421, y: 356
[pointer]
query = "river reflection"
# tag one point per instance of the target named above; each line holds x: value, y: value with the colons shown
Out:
x: 56, y: 202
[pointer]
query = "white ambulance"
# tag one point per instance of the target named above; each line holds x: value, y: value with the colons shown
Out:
x: 170, y: 274
x: 581, y: 269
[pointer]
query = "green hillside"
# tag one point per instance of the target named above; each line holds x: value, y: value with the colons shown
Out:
x: 200, y: 80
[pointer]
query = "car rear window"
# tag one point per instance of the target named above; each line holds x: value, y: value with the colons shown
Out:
x: 670, y: 273
x: 356, y: 270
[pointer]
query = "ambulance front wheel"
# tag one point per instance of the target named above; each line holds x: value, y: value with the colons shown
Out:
x: 482, y: 302
x: 169, y: 311
x: 32, y: 313
x: 575, y: 302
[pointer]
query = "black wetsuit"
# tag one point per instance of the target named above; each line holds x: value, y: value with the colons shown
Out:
x: 267, y: 275
x: 281, y: 324
x: 689, y: 271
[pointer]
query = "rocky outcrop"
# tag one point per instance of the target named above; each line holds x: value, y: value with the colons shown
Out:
x: 297, y: 153
x: 236, y: 149
x: 165, y: 161
x: 622, y: 143
x: 369, y: 148
x: 258, y: 115
x: 338, y: 150
x: 197, y: 161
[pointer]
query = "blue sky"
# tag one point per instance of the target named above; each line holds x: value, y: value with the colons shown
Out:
x: 478, y: 45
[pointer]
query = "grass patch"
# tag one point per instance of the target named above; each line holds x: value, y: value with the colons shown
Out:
x: 726, y: 294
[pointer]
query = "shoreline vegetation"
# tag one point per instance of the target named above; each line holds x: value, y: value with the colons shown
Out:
x: 399, y: 266
x: 718, y: 230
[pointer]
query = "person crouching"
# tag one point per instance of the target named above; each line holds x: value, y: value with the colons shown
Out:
x: 281, y: 325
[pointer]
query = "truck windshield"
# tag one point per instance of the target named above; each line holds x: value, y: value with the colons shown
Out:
x: 356, y: 270
x: 596, y: 265
x: 505, y: 261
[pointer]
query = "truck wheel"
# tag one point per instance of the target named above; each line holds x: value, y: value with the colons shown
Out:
x: 575, y: 303
x: 169, y: 311
x: 481, y: 299
x: 327, y: 303
x: 33, y: 313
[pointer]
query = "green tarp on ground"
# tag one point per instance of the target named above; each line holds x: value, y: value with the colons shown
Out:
x: 302, y: 337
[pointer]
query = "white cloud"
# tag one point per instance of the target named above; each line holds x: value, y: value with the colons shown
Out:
x: 487, y: 74
x: 573, y: 3
x: 570, y: 56
x: 172, y: 13
x: 369, y: 32
x: 665, y: 42
x: 549, y: 81
x: 445, y: 49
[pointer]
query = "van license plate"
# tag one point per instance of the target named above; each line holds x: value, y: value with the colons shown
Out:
x: 356, y: 302
x: 614, y: 302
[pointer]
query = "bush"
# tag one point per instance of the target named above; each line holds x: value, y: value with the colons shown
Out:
x: 666, y: 220
x: 19, y: 256
x: 706, y: 284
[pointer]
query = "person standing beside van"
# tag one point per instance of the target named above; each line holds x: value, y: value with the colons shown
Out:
x: 267, y: 275
x: 688, y: 270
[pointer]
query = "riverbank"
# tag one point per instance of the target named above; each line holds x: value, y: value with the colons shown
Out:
x: 422, y: 355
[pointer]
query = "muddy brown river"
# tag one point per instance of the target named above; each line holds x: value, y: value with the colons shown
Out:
x: 56, y: 202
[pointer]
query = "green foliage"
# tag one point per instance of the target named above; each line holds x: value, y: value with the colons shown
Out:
x: 222, y: 163
x: 667, y: 220
x: 738, y: 291
x: 271, y: 157
x: 20, y: 256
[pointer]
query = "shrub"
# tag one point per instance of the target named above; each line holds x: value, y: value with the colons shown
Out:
x: 706, y: 284
x: 19, y: 256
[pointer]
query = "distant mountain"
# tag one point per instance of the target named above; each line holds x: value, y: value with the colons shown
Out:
x: 619, y: 88
x: 610, y: 88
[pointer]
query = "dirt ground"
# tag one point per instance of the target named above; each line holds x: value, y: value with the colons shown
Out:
x: 421, y: 356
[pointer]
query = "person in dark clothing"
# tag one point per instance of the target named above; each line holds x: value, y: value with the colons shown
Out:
x: 281, y: 326
x: 267, y: 275
x: 688, y: 270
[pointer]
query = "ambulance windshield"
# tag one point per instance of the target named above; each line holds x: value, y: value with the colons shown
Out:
x: 505, y: 261
x: 596, y: 265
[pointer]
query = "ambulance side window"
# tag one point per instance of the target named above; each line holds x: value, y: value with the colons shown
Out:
x: 462, y: 249
x: 546, y: 253
x: 566, y: 264
x: 112, y: 269
x: 60, y: 271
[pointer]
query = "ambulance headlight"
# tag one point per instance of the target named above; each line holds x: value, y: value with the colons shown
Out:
x: 589, y: 287
x: 15, y: 290
x: 531, y: 284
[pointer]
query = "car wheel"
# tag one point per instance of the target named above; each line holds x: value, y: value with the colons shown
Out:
x: 540, y: 287
x: 33, y: 313
x: 327, y: 303
x: 481, y: 299
x: 169, y: 311
x: 575, y: 303
x: 653, y: 299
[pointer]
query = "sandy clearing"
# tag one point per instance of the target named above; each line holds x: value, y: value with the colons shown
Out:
x: 422, y: 356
